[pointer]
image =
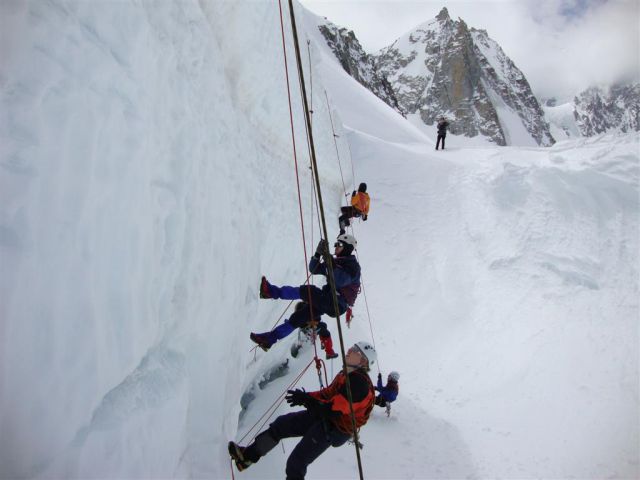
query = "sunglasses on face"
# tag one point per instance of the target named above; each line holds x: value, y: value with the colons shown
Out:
x: 338, y: 245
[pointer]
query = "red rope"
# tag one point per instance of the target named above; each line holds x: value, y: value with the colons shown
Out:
x: 295, y: 158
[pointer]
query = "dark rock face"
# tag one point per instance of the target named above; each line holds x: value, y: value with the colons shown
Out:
x: 598, y: 110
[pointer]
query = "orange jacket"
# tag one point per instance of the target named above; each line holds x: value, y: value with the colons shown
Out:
x: 361, y: 201
x: 335, y: 395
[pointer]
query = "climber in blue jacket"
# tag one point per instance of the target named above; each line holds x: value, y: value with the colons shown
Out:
x: 389, y: 392
x: 316, y: 301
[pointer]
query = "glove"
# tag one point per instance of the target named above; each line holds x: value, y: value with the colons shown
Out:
x: 364, y: 218
x: 379, y: 377
x: 320, y: 409
x: 297, y: 397
x: 353, y: 194
x: 323, y: 246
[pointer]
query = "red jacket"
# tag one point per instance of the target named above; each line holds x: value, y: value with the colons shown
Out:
x: 363, y: 396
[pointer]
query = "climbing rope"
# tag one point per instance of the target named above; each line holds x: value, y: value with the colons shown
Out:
x: 274, y: 406
x: 327, y: 259
x: 335, y: 143
x: 366, y: 303
x: 293, y: 137
x: 353, y: 171
x: 346, y: 195
x: 373, y: 338
x: 310, y: 76
x: 317, y: 196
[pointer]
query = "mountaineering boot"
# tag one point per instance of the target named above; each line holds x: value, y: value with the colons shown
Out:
x: 327, y: 345
x: 247, y: 456
x: 265, y: 290
x: 237, y: 454
x: 284, y: 292
x: 263, y: 340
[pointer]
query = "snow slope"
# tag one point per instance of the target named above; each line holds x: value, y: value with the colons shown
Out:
x: 562, y: 121
x: 147, y: 182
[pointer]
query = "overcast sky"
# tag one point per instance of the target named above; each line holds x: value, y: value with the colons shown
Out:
x: 562, y: 46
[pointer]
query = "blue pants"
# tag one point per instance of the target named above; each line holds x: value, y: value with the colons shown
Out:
x: 320, y: 300
x: 316, y: 302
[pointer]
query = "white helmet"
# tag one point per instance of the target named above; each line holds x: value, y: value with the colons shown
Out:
x: 395, y: 376
x: 348, y: 239
x: 368, y: 351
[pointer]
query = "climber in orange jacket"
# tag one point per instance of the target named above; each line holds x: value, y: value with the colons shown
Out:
x: 359, y: 207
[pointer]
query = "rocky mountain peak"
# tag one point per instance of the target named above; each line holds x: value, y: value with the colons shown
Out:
x: 462, y: 27
x: 443, y: 16
x: 443, y: 67
x: 598, y: 109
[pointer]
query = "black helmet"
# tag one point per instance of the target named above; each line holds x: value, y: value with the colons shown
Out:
x: 362, y: 187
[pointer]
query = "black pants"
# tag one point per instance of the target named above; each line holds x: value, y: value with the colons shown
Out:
x: 321, y: 327
x: 321, y: 303
x: 347, y: 213
x: 317, y: 435
x: 380, y: 401
x: 440, y: 137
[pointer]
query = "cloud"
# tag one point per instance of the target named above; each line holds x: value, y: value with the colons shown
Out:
x: 564, y: 50
x: 560, y: 11
x: 562, y: 46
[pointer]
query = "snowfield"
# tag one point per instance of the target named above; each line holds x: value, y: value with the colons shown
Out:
x: 147, y: 181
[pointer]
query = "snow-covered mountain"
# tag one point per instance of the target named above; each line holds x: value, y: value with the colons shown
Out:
x: 561, y: 118
x: 147, y: 181
x: 357, y: 63
x: 442, y: 67
x: 599, y: 110
x: 596, y: 111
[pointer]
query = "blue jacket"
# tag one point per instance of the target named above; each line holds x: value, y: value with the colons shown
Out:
x: 390, y: 392
x: 346, y: 275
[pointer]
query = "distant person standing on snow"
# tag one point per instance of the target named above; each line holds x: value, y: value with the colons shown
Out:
x: 442, y: 131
